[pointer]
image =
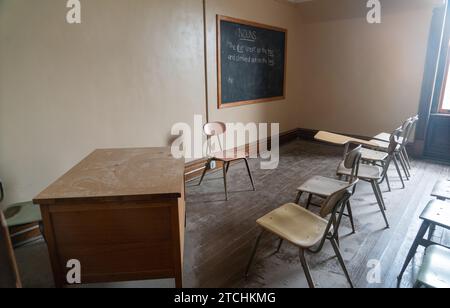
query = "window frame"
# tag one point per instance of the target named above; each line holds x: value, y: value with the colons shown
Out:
x: 441, y: 110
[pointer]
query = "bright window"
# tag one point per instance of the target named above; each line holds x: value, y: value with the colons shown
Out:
x: 444, y: 106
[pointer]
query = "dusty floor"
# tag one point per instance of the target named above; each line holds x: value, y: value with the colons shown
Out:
x: 220, y: 234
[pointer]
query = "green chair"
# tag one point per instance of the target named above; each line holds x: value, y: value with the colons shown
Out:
x: 435, y: 269
x: 20, y: 215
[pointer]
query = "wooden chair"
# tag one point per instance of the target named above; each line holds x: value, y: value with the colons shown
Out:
x: 9, y: 274
x: 215, y: 129
x: 307, y: 230
x: 25, y: 218
x: 323, y: 187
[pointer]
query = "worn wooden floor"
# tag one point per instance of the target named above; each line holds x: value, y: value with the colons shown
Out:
x: 220, y: 234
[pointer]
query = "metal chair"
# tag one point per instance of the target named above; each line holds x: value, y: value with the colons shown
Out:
x: 307, y: 230
x: 435, y: 269
x: 436, y: 214
x: 375, y: 175
x: 216, y: 129
x: 24, y: 216
x: 401, y: 148
x: 386, y: 137
x: 380, y: 158
x: 323, y: 187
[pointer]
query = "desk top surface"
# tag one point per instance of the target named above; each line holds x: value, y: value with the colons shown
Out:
x: 341, y: 139
x: 117, y: 174
x: 442, y: 190
x: 437, y: 212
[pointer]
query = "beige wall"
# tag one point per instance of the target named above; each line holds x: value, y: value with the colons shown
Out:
x: 360, y: 78
x: 120, y: 79
x: 134, y: 68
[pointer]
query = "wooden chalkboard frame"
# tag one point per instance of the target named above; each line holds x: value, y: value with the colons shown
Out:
x: 222, y: 105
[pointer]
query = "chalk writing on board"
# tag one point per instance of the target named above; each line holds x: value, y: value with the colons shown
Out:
x: 250, y: 54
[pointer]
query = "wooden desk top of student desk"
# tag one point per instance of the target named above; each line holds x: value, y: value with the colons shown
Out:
x: 342, y: 140
x: 120, y: 212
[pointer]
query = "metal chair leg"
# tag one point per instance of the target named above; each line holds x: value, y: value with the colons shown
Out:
x: 380, y: 203
x: 336, y: 229
x: 308, y: 203
x: 341, y: 261
x: 258, y: 240
x: 250, y: 174
x: 399, y: 172
x: 412, y: 251
x: 299, y: 195
x: 402, y: 155
x: 380, y: 193
x: 225, y: 180
x: 280, y: 245
x: 350, y: 215
x: 306, y: 269
x: 388, y: 183
x: 408, y: 160
x: 402, y: 163
x: 204, y: 172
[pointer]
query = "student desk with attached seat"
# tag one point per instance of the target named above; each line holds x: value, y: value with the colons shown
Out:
x: 121, y: 213
x: 342, y: 140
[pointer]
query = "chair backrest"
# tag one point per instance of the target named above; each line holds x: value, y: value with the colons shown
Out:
x: 414, y: 121
x: 214, y: 129
x: 332, y: 202
x: 352, y: 160
x: 407, y: 132
x: 9, y: 274
x: 394, y: 141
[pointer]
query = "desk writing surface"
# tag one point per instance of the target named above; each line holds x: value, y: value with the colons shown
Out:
x: 341, y: 139
x: 442, y: 190
x: 140, y: 173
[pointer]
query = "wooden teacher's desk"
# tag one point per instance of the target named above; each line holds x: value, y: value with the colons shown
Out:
x: 121, y: 213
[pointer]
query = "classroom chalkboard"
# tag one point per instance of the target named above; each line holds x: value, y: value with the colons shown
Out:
x: 251, y: 62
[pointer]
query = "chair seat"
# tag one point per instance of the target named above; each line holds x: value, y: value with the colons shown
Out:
x: 435, y: 270
x: 295, y: 224
x: 22, y: 213
x: 386, y: 137
x: 366, y: 172
x: 322, y: 186
x: 372, y: 155
x: 230, y: 155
